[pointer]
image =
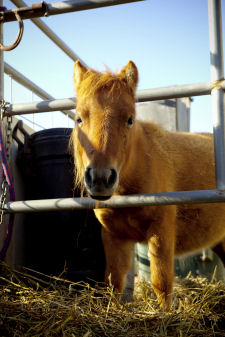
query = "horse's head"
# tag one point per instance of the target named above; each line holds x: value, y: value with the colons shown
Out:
x: 105, y: 116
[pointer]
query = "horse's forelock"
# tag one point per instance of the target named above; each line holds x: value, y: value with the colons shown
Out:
x: 95, y: 82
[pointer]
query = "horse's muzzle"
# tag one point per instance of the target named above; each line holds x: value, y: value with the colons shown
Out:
x: 101, y: 183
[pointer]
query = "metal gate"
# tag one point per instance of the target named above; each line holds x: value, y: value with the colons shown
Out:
x: 215, y: 87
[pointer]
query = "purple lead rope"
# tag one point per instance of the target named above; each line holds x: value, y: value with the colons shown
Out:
x: 8, y: 178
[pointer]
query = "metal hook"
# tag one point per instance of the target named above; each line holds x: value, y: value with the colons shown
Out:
x: 19, y: 36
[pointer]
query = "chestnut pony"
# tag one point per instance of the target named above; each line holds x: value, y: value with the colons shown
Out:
x: 115, y: 154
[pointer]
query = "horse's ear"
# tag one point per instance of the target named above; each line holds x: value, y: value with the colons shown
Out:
x: 130, y: 73
x: 78, y: 74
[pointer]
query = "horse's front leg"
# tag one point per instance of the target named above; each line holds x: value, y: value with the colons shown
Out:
x: 118, y: 254
x: 161, y: 248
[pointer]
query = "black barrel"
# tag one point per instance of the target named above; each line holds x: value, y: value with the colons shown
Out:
x: 67, y: 242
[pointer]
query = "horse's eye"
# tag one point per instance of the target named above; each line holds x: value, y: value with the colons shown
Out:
x: 79, y: 120
x: 130, y: 121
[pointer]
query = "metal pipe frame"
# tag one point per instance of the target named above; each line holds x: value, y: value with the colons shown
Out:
x: 80, y: 5
x: 40, y: 106
x: 187, y: 90
x: 169, y: 198
x: 51, y: 35
x: 216, y: 87
x: 177, y: 91
x: 61, y: 7
x: 18, y: 77
x: 217, y: 93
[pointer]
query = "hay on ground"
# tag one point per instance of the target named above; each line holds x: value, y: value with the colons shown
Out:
x: 31, y: 306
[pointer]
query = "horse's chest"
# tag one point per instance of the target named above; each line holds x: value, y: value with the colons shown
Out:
x: 133, y: 224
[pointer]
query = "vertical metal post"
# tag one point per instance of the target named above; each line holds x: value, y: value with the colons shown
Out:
x: 32, y: 99
x: 217, y: 93
x: 11, y: 89
x: 1, y: 61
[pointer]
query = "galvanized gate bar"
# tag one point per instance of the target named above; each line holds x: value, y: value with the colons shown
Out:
x: 169, y: 198
x: 51, y: 35
x: 61, y: 7
x: 187, y: 90
x: 40, y: 106
x: 80, y: 5
x: 17, y: 76
x: 218, y: 96
x: 216, y: 86
x: 35, y: 10
x: 176, y: 91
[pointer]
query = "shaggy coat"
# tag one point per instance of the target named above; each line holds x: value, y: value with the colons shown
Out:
x: 115, y: 154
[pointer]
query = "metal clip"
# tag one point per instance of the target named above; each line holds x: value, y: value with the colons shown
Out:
x: 3, y: 106
x: 2, y: 109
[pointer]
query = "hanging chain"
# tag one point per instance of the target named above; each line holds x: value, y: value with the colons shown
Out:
x: 4, y: 185
x: 8, y: 137
x: 3, y: 198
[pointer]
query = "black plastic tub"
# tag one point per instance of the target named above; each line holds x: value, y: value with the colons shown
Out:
x: 67, y: 242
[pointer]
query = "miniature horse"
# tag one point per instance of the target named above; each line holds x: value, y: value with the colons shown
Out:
x: 115, y: 154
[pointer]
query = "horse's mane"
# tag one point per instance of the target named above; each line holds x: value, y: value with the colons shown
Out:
x: 73, y: 148
x: 94, y: 82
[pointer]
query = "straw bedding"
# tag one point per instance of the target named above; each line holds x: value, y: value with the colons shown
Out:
x: 31, y: 305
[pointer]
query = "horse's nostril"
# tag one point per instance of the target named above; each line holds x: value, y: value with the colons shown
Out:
x: 112, y: 178
x: 87, y: 176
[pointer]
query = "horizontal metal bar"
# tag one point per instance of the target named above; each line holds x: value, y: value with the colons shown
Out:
x: 51, y: 35
x: 169, y: 198
x: 61, y: 7
x: 35, y: 10
x: 41, y: 106
x: 20, y: 78
x: 176, y: 91
x: 80, y: 5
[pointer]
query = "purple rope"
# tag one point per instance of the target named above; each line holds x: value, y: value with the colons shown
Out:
x: 12, y: 198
